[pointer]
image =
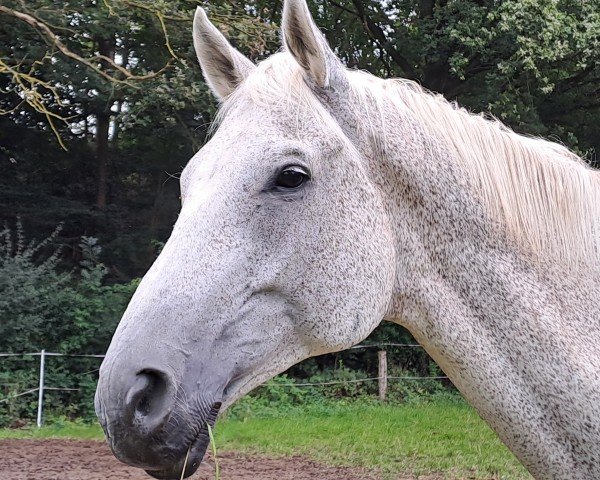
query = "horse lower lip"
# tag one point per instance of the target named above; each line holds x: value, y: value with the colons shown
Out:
x: 196, y: 452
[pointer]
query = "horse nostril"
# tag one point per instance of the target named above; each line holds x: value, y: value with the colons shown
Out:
x: 143, y: 405
x: 147, y: 401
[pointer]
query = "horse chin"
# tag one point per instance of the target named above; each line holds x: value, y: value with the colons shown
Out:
x: 194, y: 459
x: 190, y: 462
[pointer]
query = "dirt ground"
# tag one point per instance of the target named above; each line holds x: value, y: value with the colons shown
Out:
x: 92, y: 460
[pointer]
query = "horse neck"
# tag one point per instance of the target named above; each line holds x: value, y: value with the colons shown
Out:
x: 506, y: 331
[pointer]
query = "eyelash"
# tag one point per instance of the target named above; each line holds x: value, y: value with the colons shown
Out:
x: 291, y: 178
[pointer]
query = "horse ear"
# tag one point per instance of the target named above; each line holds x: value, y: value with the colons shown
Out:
x: 307, y: 44
x: 224, y: 68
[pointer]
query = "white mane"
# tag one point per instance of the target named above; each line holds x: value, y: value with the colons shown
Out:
x: 546, y: 196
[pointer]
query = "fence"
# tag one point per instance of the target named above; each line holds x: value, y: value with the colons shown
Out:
x: 382, y: 374
x: 42, y: 387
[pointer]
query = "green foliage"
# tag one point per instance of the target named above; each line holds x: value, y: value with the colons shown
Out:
x: 272, y: 398
x: 42, y: 307
x: 283, y: 394
x: 413, y: 389
x: 342, y: 382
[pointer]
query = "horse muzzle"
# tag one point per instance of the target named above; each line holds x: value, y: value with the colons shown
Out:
x: 149, y: 422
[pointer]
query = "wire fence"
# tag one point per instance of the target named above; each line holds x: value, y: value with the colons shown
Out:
x: 382, y: 377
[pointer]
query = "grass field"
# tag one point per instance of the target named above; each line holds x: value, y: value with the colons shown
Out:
x: 442, y: 435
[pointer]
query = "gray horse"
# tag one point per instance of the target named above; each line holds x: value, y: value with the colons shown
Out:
x: 329, y: 200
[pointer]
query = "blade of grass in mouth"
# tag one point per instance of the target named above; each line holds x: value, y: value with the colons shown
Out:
x: 213, y: 447
x: 187, y: 455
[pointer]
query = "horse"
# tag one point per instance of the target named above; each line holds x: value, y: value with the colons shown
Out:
x: 329, y: 200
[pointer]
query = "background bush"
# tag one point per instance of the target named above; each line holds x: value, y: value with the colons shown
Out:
x: 42, y: 307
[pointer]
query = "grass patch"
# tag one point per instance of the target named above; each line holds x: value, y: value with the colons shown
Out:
x: 444, y: 435
x: 56, y: 428
x: 420, y: 437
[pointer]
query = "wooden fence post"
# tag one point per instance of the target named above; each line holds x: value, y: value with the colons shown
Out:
x: 382, y: 374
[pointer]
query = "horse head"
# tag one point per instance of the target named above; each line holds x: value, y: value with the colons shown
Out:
x: 282, y: 251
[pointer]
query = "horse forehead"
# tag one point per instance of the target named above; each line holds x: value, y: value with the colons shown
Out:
x: 232, y: 140
x: 257, y: 131
x: 282, y: 115
x: 246, y: 131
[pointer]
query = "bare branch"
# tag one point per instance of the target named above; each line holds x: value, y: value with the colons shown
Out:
x: 378, y: 35
x: 31, y: 89
x: 344, y: 9
x: 47, y: 32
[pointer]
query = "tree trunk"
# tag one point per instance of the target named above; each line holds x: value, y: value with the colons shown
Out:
x: 102, y: 130
x: 106, y: 48
x: 158, y: 201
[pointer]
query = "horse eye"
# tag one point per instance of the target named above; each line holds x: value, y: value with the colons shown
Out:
x: 292, y: 177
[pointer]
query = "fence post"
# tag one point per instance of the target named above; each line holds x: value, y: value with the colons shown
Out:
x: 41, y: 388
x: 382, y: 374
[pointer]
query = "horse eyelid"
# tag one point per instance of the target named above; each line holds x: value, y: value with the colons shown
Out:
x: 273, y: 189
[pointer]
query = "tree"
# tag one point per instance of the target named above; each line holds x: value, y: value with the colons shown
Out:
x: 117, y: 83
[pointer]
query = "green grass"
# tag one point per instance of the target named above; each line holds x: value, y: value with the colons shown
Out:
x: 441, y: 436
x: 445, y: 435
x: 57, y: 429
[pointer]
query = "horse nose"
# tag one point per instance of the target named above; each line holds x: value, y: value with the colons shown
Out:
x: 148, y: 402
x: 134, y: 409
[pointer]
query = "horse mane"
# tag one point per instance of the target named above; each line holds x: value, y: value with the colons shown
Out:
x: 547, y: 197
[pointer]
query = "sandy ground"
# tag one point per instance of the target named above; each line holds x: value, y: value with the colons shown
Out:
x: 92, y: 460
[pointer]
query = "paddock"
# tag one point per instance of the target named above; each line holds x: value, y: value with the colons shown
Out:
x: 63, y: 459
